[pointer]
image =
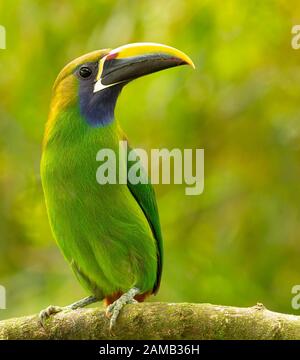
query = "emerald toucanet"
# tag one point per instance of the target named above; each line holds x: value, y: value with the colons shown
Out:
x: 110, y: 234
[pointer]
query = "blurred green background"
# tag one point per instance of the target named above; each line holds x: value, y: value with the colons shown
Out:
x: 238, y: 242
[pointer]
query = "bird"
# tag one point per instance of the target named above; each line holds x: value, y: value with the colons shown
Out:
x: 109, y: 234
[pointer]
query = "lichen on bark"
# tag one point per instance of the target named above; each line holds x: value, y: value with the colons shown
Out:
x: 159, y: 321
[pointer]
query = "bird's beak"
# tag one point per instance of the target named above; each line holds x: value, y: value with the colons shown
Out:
x: 131, y: 61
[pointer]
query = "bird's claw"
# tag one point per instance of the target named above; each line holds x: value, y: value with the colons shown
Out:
x: 111, y: 307
x: 46, y: 313
x: 51, y: 310
x: 113, y: 310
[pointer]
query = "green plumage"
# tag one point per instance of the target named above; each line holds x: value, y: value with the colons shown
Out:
x: 110, y: 234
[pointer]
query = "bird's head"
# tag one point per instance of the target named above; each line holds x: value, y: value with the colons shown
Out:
x: 91, y: 83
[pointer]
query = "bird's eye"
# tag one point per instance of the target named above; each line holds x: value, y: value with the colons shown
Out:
x: 85, y: 72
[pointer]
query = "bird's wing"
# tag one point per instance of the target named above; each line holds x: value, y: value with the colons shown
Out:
x: 145, y: 196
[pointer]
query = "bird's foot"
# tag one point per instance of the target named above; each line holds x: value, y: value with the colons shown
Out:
x: 46, y: 313
x: 113, y: 310
x: 51, y: 310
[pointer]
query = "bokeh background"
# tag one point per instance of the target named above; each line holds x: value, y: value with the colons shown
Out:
x: 236, y: 244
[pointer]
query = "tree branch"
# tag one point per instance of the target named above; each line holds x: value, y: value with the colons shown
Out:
x: 159, y: 321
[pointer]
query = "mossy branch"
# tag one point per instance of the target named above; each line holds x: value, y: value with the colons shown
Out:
x: 159, y: 321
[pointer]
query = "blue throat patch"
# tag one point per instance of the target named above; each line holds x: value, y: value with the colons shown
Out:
x: 98, y: 108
